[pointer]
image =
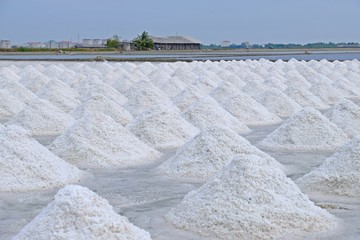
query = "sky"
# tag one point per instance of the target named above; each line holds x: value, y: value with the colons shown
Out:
x: 209, y: 21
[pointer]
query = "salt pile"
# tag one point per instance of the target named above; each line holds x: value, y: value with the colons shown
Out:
x: 143, y: 95
x: 185, y: 74
x: 60, y: 94
x: 188, y: 96
x: 278, y: 102
x: 102, y: 104
x: 249, y: 111
x: 41, y: 118
x: 34, y: 81
x: 224, y: 90
x: 78, y: 213
x: 346, y: 115
x: 231, y: 78
x: 325, y: 91
x: 305, y: 98
x: 6, y: 74
x: 249, y: 199
x: 209, y: 152
x: 96, y: 140
x: 205, y: 84
x: 9, y: 105
x: 95, y: 86
x: 307, y: 130
x: 207, y: 111
x: 173, y: 86
x: 26, y: 165
x: 162, y: 128
x: 19, y: 91
x: 338, y: 174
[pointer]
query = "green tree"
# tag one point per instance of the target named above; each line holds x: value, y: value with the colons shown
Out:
x: 113, y: 42
x: 144, y: 42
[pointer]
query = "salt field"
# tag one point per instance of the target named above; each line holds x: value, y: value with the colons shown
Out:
x: 248, y: 149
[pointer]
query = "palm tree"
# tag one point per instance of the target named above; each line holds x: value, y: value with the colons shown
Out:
x: 144, y: 42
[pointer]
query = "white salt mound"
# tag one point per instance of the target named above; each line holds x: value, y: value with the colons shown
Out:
x: 19, y: 91
x: 162, y: 128
x: 224, y: 90
x: 78, y: 213
x: 305, y: 98
x: 40, y: 117
x: 249, y: 199
x: 249, y: 111
x: 209, y: 152
x: 338, y: 174
x: 143, y: 95
x: 206, y: 112
x: 307, y: 130
x: 346, y: 115
x: 94, y: 86
x: 188, y: 96
x: 60, y: 94
x: 34, y: 81
x: 278, y: 102
x: 102, y: 104
x: 96, y: 140
x: 9, y: 105
x: 26, y: 165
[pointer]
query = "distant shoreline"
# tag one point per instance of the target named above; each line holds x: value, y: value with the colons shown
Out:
x: 169, y: 56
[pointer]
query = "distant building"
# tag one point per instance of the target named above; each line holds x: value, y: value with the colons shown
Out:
x: 175, y: 43
x: 52, y: 44
x: 92, y: 43
x: 225, y: 43
x: 66, y: 44
x: 5, y: 44
x: 35, y: 44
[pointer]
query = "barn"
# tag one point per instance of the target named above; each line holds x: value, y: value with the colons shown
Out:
x: 175, y: 43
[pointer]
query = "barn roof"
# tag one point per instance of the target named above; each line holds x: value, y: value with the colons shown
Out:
x: 174, y: 39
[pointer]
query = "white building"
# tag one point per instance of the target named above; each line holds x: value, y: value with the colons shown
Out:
x: 225, y: 43
x: 66, y: 44
x: 5, y: 44
x: 35, y: 44
x: 52, y: 44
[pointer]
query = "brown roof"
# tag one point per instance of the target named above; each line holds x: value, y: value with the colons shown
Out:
x: 174, y: 39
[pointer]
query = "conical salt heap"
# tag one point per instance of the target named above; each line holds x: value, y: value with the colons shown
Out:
x: 224, y: 90
x: 96, y: 140
x: 249, y: 199
x: 19, y: 91
x: 41, y: 118
x: 209, y: 152
x: 102, y: 104
x: 346, y: 115
x: 95, y: 86
x: 338, y: 174
x: 26, y: 165
x: 172, y: 87
x: 207, y: 111
x: 307, y: 130
x: 60, y: 94
x: 249, y: 111
x: 162, y: 127
x: 34, y: 81
x: 78, y: 213
x: 278, y: 102
x: 144, y: 94
x: 325, y: 91
x: 188, y: 96
x: 9, y: 105
x: 305, y: 98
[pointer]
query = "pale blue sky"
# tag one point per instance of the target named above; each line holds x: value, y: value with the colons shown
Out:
x: 257, y: 21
